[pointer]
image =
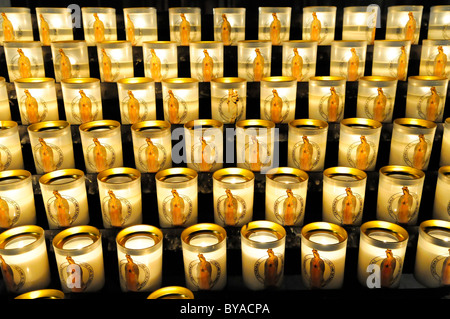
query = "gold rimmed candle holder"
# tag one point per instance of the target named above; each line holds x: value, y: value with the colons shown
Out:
x: 185, y: 24
x: 404, y: 23
x: 278, y: 96
x: 11, y: 147
x: 180, y: 100
x: 54, y: 24
x: 141, y: 24
x: 70, y: 59
x: 441, y: 205
x: 206, y: 60
x: 137, y: 99
x: 229, y: 25
x: 115, y: 60
x: 299, y: 59
x: 99, y: 24
x: 160, y: 59
x: 228, y: 99
x: 254, y: 59
x: 16, y: 24
x: 274, y: 24
x: 326, y: 98
x: 391, y: 58
x: 319, y: 24
x: 348, y: 59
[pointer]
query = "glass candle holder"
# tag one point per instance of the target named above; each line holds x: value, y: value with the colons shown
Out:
x: 359, y: 23
x: 99, y: 24
x: 441, y: 206
x: 432, y: 255
x: 299, y: 59
x: 278, y: 96
x: 79, y: 258
x: 205, y: 256
x: 399, y: 194
x: 445, y: 146
x: 51, y: 143
x: 65, y: 198
x: 434, y: 58
x: 254, y: 59
x: 82, y: 100
x: 24, y: 59
x: 160, y: 60
x: 319, y: 24
x: 5, y: 109
x: 102, y: 145
x: 42, y: 294
x: 286, y: 190
x: 70, y: 59
x: 16, y: 24
x: 323, y: 244
x: 206, y: 60
x: 54, y: 24
x: 185, y: 24
x: 24, y: 259
x: 411, y: 142
x: 348, y: 59
x: 115, y: 59
x: 403, y: 23
x: 229, y: 25
x: 382, y: 248
x: 425, y: 97
x: 16, y: 199
x: 137, y: 99
x: 180, y: 100
x: 139, y: 255
x: 177, y: 193
x: 438, y: 22
x: 141, y: 24
x: 358, y: 143
x: 376, y: 98
x: 171, y: 292
x: 10, y: 146
x: 274, y: 24
x: 37, y: 100
x: 255, y: 145
x: 228, y: 99
x: 344, y: 191
x: 326, y: 99
x: 119, y: 189
x: 152, y: 145
x: 307, y: 144
x: 204, y: 145
x: 263, y: 249
x: 391, y: 58
x: 233, y: 190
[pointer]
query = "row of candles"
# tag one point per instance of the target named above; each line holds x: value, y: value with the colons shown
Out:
x: 403, y: 22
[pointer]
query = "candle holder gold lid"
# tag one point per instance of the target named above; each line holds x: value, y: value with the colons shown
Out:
x: 266, y: 226
x: 233, y: 171
x: 325, y: 228
x: 132, y: 173
x: 82, y: 231
x: 171, y: 292
x: 186, y: 172
x: 298, y: 174
x: 204, y: 229
x: 428, y: 227
x: 16, y: 233
x: 62, y: 174
x: 337, y: 172
x: 42, y: 294
x: 139, y: 230
x: 378, y: 226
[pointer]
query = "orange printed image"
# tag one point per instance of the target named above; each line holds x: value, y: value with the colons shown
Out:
x: 432, y: 110
x: 404, y: 209
x: 207, y: 67
x: 204, y: 271
x: 258, y: 66
x: 420, y: 153
x: 185, y: 30
x: 173, y: 108
x: 8, y: 28
x: 290, y: 208
x: 155, y: 66
x: 440, y: 62
x: 46, y: 155
x: 115, y: 210
x: 31, y: 108
x: 333, y: 106
x: 276, y: 108
x: 133, y: 108
x: 130, y: 31
x: 387, y: 269
x: 379, y: 106
x: 177, y: 209
x: 100, y: 159
x: 45, y: 31
x: 271, y: 269
x: 152, y: 156
x: 65, y: 66
x: 316, y: 27
x: 99, y: 29
x: 317, y: 270
x: 226, y: 30
x: 62, y: 210
x: 410, y: 27
x: 297, y: 65
x: 402, y: 65
x: 85, y: 107
x: 348, y: 207
x: 106, y: 67
x: 131, y: 274
x: 275, y: 29
x: 230, y: 205
x: 5, y: 219
x: 362, y: 154
x: 353, y: 66
x: 24, y: 65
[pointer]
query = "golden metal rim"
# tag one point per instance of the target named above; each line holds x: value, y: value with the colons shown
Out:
x: 172, y: 292
x: 263, y: 225
x: 6, y: 125
x: 42, y: 294
x: 234, y: 171
x: 176, y: 171
x: 326, y: 78
x: 419, y: 123
x: 21, y: 231
x: 89, y: 126
x: 331, y: 172
x: 359, y: 121
x: 135, y: 80
x: 324, y: 227
x: 254, y: 123
x: 278, y: 79
x: 273, y: 173
x: 378, y: 78
x: 378, y: 225
x: 428, y: 226
x: 157, y: 124
x: 80, y: 80
x: 15, y: 175
x: 204, y: 228
x: 49, y: 178
x: 76, y: 231
x: 427, y: 78
x: 179, y: 80
x: 109, y: 173
x: 444, y: 171
x: 229, y: 80
x: 310, y: 123
x: 35, y: 80
x: 44, y: 127
x: 137, y: 231
x: 199, y: 124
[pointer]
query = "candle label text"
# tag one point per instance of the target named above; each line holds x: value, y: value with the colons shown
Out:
x: 133, y: 274
x: 269, y: 268
x: 318, y: 270
x: 5, y: 158
x: 204, y: 273
x: 76, y: 275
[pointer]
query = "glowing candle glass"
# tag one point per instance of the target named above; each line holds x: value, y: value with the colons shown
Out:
x: 206, y: 60
x: 274, y: 24
x: 16, y: 24
x: 42, y: 294
x: 445, y: 147
x: 102, y: 145
x: 177, y: 193
x: 137, y: 99
x: 152, y: 145
x: 299, y: 59
x: 99, y: 24
x: 119, y: 189
x: 65, y: 198
x: 376, y: 98
x: 438, y: 22
x: 403, y: 23
x: 358, y: 143
x: 399, y: 194
x: 180, y: 100
x: 278, y: 98
x: 344, y: 191
x: 54, y: 24
x: 82, y: 99
x: 319, y: 24
x: 16, y: 199
x: 441, y: 206
x: 115, y: 60
x: 307, y: 144
x: 205, y: 256
x: 171, y: 292
x: 229, y: 25
x: 323, y: 244
x: 391, y: 58
x: 263, y: 249
x: 425, y: 97
x: 286, y: 190
x: 5, y: 109
x: 326, y: 98
x: 228, y: 99
x: 139, y: 255
x: 359, y: 23
x: 79, y: 259
x: 434, y: 57
x: 382, y: 248
x: 254, y: 59
x: 70, y: 59
x: 51, y: 143
x: 24, y: 59
x: 10, y: 146
x: 160, y: 60
x: 348, y: 59
x: 233, y: 190
x: 185, y: 25
x: 140, y: 25
x: 24, y: 259
x: 411, y: 142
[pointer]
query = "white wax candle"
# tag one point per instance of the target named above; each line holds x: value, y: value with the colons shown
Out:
x: 181, y: 100
x: 278, y: 98
x: 10, y: 146
x: 445, y: 148
x: 441, y: 206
